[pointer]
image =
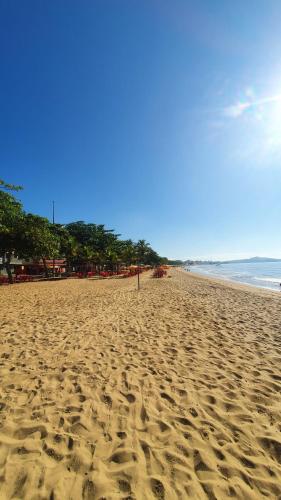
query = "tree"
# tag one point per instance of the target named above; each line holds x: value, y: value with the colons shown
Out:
x: 142, y: 248
x: 128, y: 252
x: 9, y: 187
x: 94, y: 242
x: 11, y: 219
x: 68, y: 245
x: 38, y: 240
x: 83, y: 245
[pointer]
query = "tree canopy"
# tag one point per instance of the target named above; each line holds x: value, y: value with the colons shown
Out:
x: 81, y: 244
x: 9, y: 187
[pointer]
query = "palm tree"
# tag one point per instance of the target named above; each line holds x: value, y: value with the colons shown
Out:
x: 128, y: 252
x: 142, y: 248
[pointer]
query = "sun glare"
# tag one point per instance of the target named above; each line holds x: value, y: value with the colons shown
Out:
x: 258, y: 118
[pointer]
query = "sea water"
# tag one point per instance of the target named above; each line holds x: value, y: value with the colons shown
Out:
x: 259, y: 274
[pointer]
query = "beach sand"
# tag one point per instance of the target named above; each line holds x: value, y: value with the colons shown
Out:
x: 170, y: 392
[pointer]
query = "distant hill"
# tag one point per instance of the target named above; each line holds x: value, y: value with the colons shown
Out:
x: 251, y: 260
x: 235, y: 261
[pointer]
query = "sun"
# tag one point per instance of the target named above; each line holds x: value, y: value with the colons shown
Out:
x: 258, y: 125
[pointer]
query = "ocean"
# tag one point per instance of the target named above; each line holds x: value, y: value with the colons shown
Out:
x: 258, y: 274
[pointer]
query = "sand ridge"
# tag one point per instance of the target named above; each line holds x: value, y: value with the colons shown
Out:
x: 170, y: 392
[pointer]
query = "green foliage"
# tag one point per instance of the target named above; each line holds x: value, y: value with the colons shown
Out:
x: 175, y: 262
x: 128, y: 252
x: 30, y: 236
x: 37, y: 239
x: 9, y: 187
x: 11, y: 217
x: 96, y: 244
x: 68, y: 245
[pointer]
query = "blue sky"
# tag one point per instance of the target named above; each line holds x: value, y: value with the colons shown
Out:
x: 158, y: 118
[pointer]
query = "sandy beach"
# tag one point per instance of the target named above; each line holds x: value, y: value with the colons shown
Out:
x: 170, y: 392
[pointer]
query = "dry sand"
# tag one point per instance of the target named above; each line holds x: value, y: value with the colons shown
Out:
x: 170, y: 392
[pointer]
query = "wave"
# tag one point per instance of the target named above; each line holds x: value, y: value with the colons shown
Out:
x: 271, y: 280
x: 261, y: 275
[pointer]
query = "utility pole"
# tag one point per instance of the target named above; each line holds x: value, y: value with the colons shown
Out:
x: 53, y: 224
x: 138, y: 273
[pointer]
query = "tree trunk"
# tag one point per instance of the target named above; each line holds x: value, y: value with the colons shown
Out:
x: 8, y: 267
x: 46, y: 271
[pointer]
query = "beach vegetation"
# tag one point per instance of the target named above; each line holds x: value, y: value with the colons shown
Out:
x: 11, y: 220
x: 37, y: 240
x: 84, y: 246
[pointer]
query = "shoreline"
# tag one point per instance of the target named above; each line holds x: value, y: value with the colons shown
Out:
x: 227, y: 281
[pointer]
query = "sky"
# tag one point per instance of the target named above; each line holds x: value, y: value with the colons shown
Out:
x: 159, y: 118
